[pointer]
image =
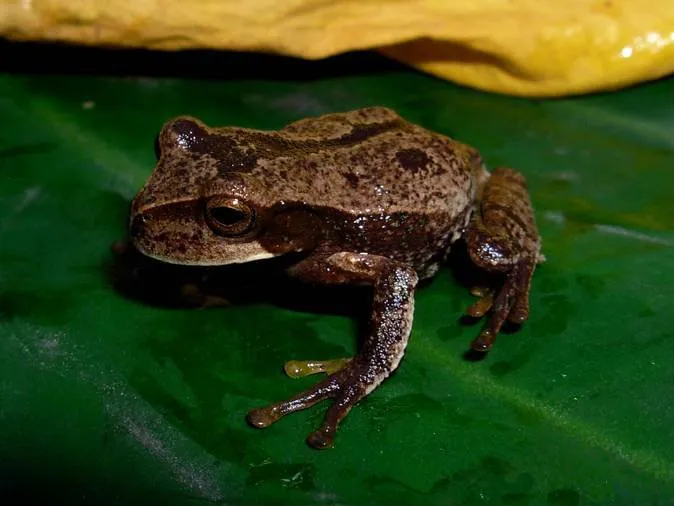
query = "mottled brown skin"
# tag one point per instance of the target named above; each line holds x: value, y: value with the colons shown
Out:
x: 367, y: 198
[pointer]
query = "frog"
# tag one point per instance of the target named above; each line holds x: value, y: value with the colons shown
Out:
x: 363, y: 198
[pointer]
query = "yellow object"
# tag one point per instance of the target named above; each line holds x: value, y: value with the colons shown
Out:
x: 519, y: 47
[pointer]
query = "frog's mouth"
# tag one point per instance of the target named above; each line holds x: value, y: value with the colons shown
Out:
x: 164, y: 241
x: 205, y: 262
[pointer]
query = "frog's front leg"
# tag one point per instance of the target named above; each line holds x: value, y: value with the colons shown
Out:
x: 384, y: 346
x: 502, y: 238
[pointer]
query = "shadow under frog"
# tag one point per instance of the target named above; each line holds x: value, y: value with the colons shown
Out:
x: 360, y: 202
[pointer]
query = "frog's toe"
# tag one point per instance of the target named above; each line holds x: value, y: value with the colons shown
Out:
x: 518, y: 316
x: 325, y: 435
x: 266, y: 416
x: 322, y: 438
x: 301, y: 368
x: 193, y: 295
x: 501, y: 309
x: 519, y: 312
x: 482, y: 305
x: 262, y: 417
x: 483, y: 342
x: 345, y: 388
x: 511, y: 303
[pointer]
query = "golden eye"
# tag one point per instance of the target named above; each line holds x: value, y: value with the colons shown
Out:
x: 230, y: 217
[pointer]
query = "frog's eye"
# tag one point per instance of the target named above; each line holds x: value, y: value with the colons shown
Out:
x: 230, y: 217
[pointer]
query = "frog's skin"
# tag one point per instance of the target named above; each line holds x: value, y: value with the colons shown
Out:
x: 364, y: 197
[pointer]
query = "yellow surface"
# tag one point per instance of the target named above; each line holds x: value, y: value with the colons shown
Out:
x: 521, y: 47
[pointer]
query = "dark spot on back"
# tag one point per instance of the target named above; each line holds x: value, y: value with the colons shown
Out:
x: 228, y: 153
x: 351, y: 178
x: 360, y: 133
x: 413, y: 160
x: 223, y: 148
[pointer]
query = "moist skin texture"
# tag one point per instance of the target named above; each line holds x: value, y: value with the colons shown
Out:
x: 367, y: 198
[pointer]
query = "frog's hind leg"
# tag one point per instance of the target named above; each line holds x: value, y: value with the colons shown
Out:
x: 502, y: 238
x: 382, y: 350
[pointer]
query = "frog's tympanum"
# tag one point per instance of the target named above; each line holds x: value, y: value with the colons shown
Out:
x: 361, y: 197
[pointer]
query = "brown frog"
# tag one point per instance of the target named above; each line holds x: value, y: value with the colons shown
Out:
x: 362, y: 197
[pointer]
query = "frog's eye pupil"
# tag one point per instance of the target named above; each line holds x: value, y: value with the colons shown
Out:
x: 227, y: 215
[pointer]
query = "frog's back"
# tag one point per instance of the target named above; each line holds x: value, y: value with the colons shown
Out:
x: 386, y: 186
x: 372, y: 161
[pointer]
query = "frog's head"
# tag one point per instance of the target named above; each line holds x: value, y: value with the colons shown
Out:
x: 206, y: 204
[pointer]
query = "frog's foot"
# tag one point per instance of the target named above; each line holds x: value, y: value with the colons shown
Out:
x: 502, y: 239
x: 345, y: 387
x: 510, y: 302
x: 301, y: 368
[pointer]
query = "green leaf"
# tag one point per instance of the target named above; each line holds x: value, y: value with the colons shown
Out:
x: 109, y: 398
